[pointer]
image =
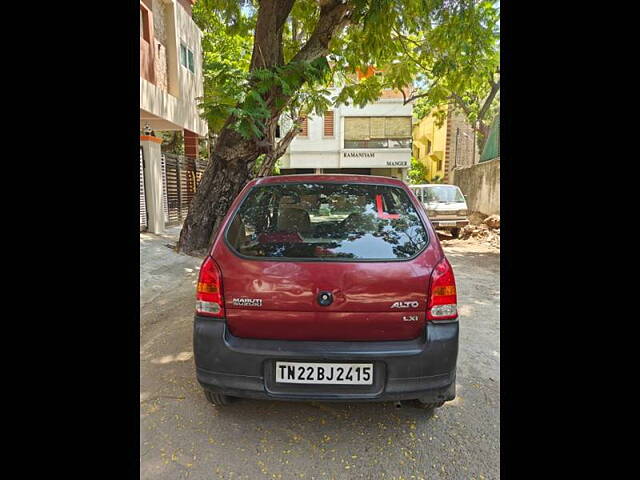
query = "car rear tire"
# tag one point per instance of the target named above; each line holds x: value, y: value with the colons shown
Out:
x: 218, y: 399
x: 455, y: 232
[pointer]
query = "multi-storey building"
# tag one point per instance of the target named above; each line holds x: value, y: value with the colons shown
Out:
x: 170, y: 83
x: 373, y: 140
x: 443, y: 148
x: 170, y: 68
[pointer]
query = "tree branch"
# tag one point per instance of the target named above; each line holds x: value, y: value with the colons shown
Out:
x: 413, y: 97
x: 406, y: 51
x: 275, y: 153
x: 267, y: 40
x: 283, y: 144
x: 495, y: 87
x: 461, y: 103
x: 334, y: 15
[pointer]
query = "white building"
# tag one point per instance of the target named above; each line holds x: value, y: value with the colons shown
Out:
x: 170, y: 68
x: 374, y: 140
x: 171, y: 81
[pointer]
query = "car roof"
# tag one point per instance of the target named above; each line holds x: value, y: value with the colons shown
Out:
x: 434, y: 185
x: 337, y: 177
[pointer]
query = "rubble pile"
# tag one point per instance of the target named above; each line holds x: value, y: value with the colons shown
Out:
x: 492, y: 221
x: 487, y: 231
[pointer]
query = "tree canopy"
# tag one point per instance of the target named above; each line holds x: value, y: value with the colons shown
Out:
x: 436, y: 51
x: 458, y: 63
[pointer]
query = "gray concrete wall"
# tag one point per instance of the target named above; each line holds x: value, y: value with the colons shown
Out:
x: 481, y: 184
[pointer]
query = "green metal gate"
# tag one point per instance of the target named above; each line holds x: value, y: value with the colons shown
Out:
x: 492, y: 147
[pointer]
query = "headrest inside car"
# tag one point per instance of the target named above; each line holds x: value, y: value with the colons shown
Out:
x: 288, y: 200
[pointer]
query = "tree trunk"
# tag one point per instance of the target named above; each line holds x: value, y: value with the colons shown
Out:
x: 232, y: 162
x: 228, y: 172
x: 266, y: 168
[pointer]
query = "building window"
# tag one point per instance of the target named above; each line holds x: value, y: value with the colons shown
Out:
x: 183, y: 55
x: 428, y: 146
x: 304, y: 127
x: 145, y: 23
x: 192, y: 65
x: 439, y: 165
x: 328, y: 123
x: 377, y: 132
x: 186, y: 58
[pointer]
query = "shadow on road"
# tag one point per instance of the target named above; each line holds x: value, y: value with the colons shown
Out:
x: 343, y: 414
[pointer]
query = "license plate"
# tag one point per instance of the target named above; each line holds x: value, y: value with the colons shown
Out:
x: 446, y: 224
x: 325, y: 373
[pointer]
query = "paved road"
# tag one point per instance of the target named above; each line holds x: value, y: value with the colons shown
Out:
x: 183, y: 436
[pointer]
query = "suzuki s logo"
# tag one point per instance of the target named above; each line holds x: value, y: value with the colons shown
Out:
x: 247, y: 302
x: 405, y: 305
x: 325, y: 298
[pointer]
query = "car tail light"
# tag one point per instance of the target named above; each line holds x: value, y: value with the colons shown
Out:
x: 442, y: 293
x: 209, y: 301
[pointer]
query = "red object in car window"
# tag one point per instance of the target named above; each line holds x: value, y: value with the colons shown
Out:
x: 280, y: 238
x: 323, y: 252
x: 381, y: 213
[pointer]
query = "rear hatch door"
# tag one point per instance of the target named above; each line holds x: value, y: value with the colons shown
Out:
x: 326, y: 262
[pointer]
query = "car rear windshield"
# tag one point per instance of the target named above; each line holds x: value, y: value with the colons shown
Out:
x: 443, y: 194
x: 328, y: 222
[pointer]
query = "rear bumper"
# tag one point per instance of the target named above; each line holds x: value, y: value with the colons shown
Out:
x: 443, y: 223
x: 423, y: 368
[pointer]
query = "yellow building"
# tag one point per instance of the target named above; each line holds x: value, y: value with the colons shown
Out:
x: 443, y: 148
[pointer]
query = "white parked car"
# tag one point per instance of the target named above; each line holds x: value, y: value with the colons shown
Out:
x: 445, y: 205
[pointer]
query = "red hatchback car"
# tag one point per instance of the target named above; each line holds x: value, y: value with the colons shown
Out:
x: 326, y: 287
